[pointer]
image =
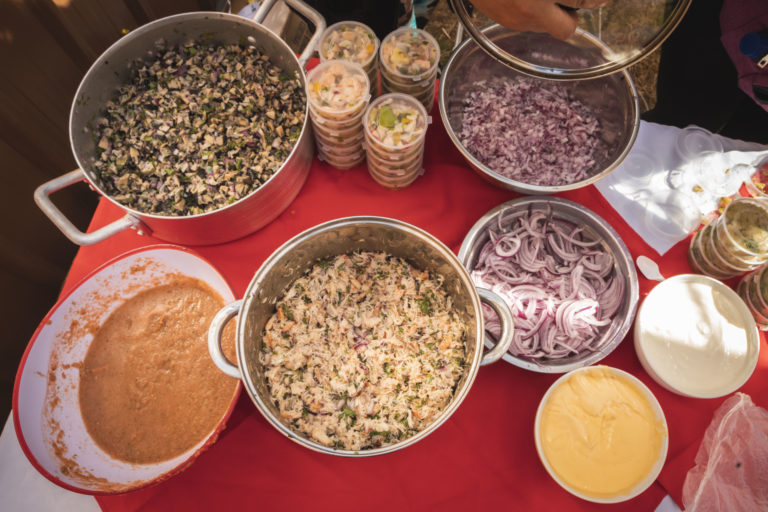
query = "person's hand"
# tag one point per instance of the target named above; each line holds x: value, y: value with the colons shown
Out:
x: 537, y: 15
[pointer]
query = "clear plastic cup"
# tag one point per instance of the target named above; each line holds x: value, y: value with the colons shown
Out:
x: 395, y: 123
x: 640, y: 166
x: 744, y: 292
x: 337, y: 89
x: 743, y: 227
x: 425, y: 95
x: 352, y: 41
x: 757, y: 184
x: 393, y: 169
x: 731, y: 254
x: 693, y: 141
x: 355, y: 119
x: 353, y: 132
x: 672, y: 215
x: 698, y: 252
x: 373, y: 77
x: 753, y: 291
x: 694, y: 256
x: 408, y: 87
x: 409, y: 54
x: 720, y: 263
x: 338, y: 138
x: 761, y: 282
x: 392, y: 183
x: 344, y: 163
x: 389, y: 157
x: 339, y: 151
x: 742, y: 289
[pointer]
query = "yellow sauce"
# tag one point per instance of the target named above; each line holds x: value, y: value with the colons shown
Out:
x: 600, y: 434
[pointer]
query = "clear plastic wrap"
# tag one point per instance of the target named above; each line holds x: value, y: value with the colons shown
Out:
x: 731, y: 471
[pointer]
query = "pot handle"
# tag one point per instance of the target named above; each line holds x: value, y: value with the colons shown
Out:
x: 58, y: 218
x: 215, y: 331
x: 305, y: 10
x: 507, y: 326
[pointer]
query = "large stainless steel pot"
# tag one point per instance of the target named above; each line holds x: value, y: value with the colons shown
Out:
x: 112, y: 69
x: 330, y: 239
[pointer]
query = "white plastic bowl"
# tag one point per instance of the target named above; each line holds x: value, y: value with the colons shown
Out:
x: 695, y: 366
x: 38, y: 423
x: 661, y: 456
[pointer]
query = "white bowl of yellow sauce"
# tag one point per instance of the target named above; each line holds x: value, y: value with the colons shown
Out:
x: 696, y: 337
x: 601, y: 434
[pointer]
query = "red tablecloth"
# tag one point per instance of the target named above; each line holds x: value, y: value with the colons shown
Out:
x: 484, y: 455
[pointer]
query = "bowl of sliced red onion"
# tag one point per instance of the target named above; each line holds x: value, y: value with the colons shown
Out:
x: 565, y: 274
x: 533, y: 135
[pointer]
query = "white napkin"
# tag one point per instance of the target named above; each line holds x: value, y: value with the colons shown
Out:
x: 673, y: 177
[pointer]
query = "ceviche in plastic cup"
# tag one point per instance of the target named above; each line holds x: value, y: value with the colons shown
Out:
x: 409, y: 55
x: 338, y: 89
x: 352, y: 41
x: 395, y: 123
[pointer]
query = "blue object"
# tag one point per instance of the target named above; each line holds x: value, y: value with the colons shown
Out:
x: 754, y: 45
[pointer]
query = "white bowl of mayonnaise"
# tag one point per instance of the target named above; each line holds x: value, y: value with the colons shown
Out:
x: 696, y: 337
x: 601, y: 434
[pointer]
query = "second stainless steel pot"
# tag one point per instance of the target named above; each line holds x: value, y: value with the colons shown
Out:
x: 343, y: 236
x: 113, y: 68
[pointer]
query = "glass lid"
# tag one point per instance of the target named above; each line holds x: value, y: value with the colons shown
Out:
x: 628, y: 29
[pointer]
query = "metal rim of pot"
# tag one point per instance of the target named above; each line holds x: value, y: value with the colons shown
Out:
x: 274, y: 263
x: 552, y: 73
x: 135, y: 219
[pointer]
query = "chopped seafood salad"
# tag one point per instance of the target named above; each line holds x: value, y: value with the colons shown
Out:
x: 411, y: 52
x: 363, y: 351
x: 338, y: 87
x: 396, y: 123
x: 352, y: 42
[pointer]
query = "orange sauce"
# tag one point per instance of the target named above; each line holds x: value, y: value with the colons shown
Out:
x: 148, y: 388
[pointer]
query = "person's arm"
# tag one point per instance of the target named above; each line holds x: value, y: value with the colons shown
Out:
x: 537, y: 15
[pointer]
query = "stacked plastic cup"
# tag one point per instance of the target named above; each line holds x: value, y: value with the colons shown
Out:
x: 355, y: 42
x: 338, y: 93
x: 408, y: 60
x: 395, y: 129
x: 735, y: 243
x: 753, y: 290
x: 757, y: 184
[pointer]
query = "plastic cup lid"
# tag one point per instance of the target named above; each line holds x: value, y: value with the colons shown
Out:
x: 395, y: 121
x: 409, y: 53
x: 607, y: 39
x: 337, y: 87
x: 349, y: 40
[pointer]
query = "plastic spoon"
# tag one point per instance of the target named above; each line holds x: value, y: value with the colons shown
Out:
x: 649, y: 268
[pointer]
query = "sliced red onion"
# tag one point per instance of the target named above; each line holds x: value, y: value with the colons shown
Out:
x: 560, y: 286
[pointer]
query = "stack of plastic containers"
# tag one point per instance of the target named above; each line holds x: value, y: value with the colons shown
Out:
x: 753, y: 290
x: 735, y: 243
x: 408, y: 60
x: 355, y: 42
x: 338, y: 92
x: 395, y: 127
x: 757, y: 184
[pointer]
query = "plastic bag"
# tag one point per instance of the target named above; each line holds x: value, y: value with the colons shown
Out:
x: 731, y: 471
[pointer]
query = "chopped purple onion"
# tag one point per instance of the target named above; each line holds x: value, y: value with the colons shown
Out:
x: 529, y: 131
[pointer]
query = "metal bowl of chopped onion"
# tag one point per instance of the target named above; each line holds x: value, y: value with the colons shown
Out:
x: 565, y: 274
x: 532, y: 135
